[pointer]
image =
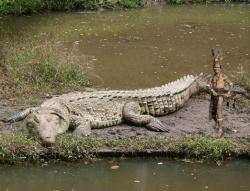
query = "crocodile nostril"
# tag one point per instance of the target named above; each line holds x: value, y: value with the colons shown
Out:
x: 47, y: 144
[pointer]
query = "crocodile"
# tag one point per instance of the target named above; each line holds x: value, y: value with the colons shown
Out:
x: 83, y: 111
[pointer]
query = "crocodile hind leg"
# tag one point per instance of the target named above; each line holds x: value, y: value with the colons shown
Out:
x: 82, y: 128
x: 132, y: 113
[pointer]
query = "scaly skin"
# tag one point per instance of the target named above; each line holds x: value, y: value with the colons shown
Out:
x: 98, y: 109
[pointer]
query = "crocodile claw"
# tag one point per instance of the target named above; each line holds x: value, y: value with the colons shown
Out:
x: 82, y: 131
x: 156, y: 125
x: 7, y: 120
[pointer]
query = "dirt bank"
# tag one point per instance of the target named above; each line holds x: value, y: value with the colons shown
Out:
x: 190, y: 136
x: 192, y: 119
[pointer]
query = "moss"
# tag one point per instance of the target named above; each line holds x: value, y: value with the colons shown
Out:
x: 18, y: 147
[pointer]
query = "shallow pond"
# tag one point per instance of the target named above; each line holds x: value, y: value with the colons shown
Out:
x: 138, y: 48
x: 132, y: 174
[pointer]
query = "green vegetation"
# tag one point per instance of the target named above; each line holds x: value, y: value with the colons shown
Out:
x: 35, y: 68
x: 178, y: 2
x: 242, y: 78
x: 18, y: 7
x: 39, y: 70
x: 244, y: 81
x: 18, y: 147
x: 203, y: 147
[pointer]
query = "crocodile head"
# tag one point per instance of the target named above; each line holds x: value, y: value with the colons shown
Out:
x: 47, y: 124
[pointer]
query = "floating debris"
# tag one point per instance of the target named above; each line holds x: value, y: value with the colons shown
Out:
x: 115, y: 167
x: 76, y: 42
x: 218, y: 163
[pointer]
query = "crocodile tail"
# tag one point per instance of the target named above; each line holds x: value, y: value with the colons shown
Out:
x: 203, y: 82
x: 236, y: 89
x: 20, y: 116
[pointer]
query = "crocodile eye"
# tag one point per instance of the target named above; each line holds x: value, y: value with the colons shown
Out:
x: 30, y: 125
x: 36, y: 119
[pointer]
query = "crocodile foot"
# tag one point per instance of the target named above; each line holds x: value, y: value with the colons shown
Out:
x: 156, y: 125
x: 82, y: 131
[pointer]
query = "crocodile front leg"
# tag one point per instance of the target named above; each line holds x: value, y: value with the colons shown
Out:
x: 82, y: 127
x: 132, y: 113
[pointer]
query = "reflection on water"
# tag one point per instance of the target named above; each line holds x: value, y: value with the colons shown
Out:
x: 133, y: 174
x: 142, y: 48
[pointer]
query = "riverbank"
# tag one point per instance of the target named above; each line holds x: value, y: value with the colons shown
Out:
x: 44, y: 55
x: 20, y: 7
x: 191, y: 136
x: 17, y: 147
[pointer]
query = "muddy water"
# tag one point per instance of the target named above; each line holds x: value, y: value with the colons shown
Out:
x: 133, y: 174
x: 141, y: 48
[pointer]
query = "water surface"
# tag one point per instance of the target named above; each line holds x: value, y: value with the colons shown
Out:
x: 140, y: 48
x: 133, y: 174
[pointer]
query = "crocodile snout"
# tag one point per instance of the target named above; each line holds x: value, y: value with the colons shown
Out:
x: 48, y: 140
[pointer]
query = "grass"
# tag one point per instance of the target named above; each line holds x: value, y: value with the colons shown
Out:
x: 35, y: 70
x: 205, y: 148
x: 242, y: 78
x: 19, y: 7
x: 244, y: 81
x: 18, y: 147
x: 178, y: 2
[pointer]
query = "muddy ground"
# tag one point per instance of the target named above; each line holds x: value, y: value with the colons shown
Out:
x: 192, y: 119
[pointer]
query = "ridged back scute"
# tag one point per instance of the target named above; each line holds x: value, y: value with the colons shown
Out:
x: 170, y: 88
